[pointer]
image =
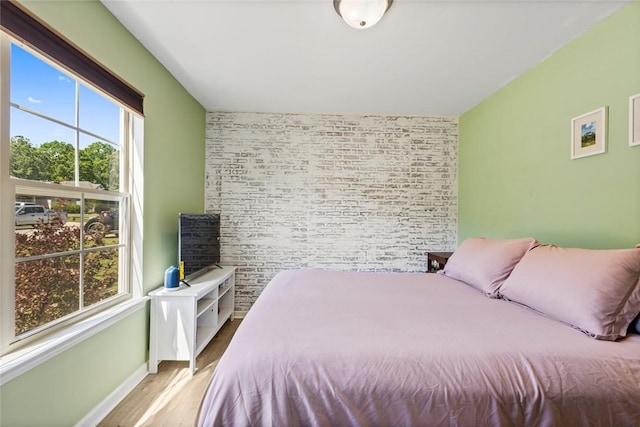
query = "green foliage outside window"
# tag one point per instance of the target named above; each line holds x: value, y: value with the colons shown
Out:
x: 54, y: 162
x: 48, y: 289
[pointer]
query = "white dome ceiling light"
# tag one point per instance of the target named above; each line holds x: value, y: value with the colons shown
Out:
x: 361, y: 14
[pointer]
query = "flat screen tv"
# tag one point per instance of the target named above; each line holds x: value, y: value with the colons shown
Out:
x: 198, y: 243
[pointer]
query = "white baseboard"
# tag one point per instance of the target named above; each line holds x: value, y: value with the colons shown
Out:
x: 239, y: 314
x: 98, y: 413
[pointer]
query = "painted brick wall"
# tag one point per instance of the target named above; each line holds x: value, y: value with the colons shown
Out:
x: 329, y: 191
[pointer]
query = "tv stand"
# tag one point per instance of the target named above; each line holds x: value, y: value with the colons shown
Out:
x: 183, y: 322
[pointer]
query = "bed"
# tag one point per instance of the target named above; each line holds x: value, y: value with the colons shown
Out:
x: 328, y: 348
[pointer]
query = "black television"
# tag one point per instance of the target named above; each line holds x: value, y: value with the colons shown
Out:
x: 198, y: 243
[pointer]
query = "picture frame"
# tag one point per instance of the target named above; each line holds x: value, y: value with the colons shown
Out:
x: 634, y: 120
x: 589, y: 133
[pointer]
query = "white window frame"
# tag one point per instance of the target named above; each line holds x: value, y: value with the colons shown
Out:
x: 20, y: 356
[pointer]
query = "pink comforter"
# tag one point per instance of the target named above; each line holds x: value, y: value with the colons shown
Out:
x: 324, y: 348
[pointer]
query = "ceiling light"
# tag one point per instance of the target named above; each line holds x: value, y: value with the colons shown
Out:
x: 361, y: 14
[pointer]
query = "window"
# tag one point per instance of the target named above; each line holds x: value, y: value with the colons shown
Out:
x: 66, y: 165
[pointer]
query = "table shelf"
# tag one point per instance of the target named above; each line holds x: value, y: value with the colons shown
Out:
x: 183, y: 322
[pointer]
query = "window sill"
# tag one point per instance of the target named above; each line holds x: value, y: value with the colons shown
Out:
x: 17, y: 363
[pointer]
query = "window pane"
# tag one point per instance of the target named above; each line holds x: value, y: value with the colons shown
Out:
x: 68, y: 254
x: 40, y: 150
x: 102, y: 223
x: 46, y: 290
x: 99, y: 163
x: 40, y: 87
x: 99, y: 115
x: 100, y: 276
x: 46, y: 225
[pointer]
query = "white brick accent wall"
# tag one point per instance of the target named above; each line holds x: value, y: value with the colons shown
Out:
x: 329, y: 191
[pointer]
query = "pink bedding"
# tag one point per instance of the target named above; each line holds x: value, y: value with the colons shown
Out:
x: 324, y: 348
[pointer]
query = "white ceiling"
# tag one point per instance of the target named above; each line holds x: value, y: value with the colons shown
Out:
x: 431, y: 57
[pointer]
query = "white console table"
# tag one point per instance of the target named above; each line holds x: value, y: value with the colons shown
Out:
x: 184, y: 321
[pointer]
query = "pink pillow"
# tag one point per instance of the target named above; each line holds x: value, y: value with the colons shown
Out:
x: 485, y: 263
x: 596, y: 291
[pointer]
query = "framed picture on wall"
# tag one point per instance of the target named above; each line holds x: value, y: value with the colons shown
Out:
x: 634, y: 120
x: 589, y: 133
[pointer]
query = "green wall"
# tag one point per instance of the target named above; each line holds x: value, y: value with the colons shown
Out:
x: 516, y: 177
x: 63, y: 390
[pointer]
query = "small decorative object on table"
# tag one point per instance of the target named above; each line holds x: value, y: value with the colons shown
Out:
x: 172, y: 279
x: 437, y: 260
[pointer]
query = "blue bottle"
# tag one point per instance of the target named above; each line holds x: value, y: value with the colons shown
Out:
x: 172, y: 278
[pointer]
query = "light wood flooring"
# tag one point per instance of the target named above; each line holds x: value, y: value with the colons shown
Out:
x: 171, y: 397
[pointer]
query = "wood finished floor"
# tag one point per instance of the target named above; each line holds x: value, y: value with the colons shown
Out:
x: 171, y: 397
